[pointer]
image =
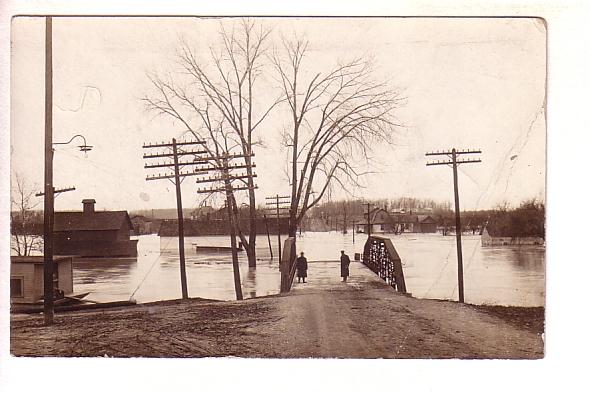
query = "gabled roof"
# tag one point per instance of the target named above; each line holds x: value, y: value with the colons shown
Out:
x: 374, y: 220
x: 405, y: 218
x: 96, y: 221
x: 425, y: 218
x: 377, y: 211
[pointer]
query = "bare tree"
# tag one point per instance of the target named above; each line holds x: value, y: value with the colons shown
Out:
x: 216, y: 100
x: 23, y: 218
x: 336, y: 117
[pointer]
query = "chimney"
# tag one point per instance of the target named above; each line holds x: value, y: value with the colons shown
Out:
x: 88, y: 205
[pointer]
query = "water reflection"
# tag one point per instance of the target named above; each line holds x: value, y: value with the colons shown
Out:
x: 249, y: 283
x: 499, y: 275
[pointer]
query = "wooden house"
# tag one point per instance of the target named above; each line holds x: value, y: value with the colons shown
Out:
x: 413, y: 223
x: 380, y: 222
x: 26, y: 277
x: 91, y: 233
x: 425, y: 224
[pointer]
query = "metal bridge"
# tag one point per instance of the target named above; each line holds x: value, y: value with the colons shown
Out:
x: 379, y: 256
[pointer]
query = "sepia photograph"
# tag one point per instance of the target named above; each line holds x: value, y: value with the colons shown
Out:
x: 278, y: 187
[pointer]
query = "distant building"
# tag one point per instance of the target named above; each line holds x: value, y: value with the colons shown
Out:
x: 203, y: 213
x: 144, y: 226
x: 380, y: 222
x: 26, y: 278
x: 491, y: 238
x: 398, y: 222
x: 93, y: 234
x: 426, y: 224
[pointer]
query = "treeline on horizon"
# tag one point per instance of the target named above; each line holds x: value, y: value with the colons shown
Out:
x: 527, y: 219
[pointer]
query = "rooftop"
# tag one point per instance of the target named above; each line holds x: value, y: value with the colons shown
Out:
x: 94, y: 221
x: 38, y: 259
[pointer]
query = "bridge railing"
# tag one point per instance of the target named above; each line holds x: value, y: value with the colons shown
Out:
x: 381, y: 257
x: 287, y: 264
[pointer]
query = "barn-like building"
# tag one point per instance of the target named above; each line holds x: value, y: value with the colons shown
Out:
x: 91, y: 233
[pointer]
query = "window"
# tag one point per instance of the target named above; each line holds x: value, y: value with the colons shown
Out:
x: 17, y: 287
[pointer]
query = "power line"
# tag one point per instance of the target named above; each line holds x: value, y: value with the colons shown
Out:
x: 224, y: 175
x: 173, y: 151
x: 193, y: 205
x: 57, y: 191
x: 454, y: 162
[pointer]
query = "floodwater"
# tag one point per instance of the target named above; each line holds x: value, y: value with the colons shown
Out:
x: 493, y: 275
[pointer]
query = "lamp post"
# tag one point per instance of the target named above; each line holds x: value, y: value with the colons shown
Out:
x: 48, y: 200
x: 49, y: 197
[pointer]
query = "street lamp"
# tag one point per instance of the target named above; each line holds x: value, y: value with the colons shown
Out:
x: 84, y: 148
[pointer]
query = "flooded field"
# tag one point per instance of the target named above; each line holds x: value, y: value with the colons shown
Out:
x: 502, y: 275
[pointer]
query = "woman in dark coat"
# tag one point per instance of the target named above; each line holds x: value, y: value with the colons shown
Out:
x: 344, y: 263
x: 301, y: 268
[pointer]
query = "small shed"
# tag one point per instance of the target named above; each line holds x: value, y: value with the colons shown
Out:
x: 426, y: 224
x: 26, y: 277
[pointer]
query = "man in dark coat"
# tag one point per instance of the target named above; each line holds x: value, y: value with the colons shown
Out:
x: 301, y: 268
x: 344, y: 263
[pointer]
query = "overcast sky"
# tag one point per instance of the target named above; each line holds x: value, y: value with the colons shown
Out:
x: 468, y: 83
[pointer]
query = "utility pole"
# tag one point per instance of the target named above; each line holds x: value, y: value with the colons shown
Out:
x: 176, y: 164
x: 279, y: 229
x: 452, y: 154
x: 279, y: 203
x: 268, y: 235
x: 49, y: 191
x: 353, y: 229
x: 234, y: 251
x: 180, y: 222
x: 48, y: 267
x: 221, y: 163
x: 368, y: 218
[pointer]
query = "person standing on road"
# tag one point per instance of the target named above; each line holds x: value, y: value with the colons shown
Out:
x: 301, y: 268
x: 344, y: 263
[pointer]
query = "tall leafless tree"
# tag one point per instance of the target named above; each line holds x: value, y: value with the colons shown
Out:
x: 23, y: 218
x: 336, y: 118
x: 216, y: 99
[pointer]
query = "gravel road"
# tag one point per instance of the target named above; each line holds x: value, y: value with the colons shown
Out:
x: 325, y: 318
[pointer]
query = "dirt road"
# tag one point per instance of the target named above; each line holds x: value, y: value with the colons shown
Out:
x: 322, y: 318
